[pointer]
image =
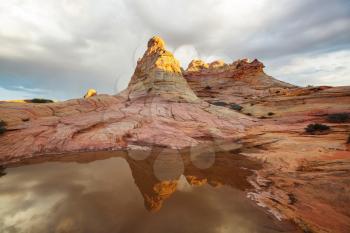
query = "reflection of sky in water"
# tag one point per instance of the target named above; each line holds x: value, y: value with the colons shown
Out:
x: 102, y: 196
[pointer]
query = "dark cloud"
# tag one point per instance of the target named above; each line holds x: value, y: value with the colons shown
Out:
x: 308, y: 26
x: 65, y: 47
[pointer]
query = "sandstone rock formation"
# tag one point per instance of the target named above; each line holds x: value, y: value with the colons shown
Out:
x: 233, y: 83
x: 303, y: 177
x: 90, y: 93
x: 298, y: 167
x: 157, y: 109
x: 158, y: 75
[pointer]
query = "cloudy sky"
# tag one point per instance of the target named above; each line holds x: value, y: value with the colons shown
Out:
x: 59, y: 48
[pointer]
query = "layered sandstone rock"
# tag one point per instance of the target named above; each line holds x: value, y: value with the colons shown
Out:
x: 158, y: 74
x: 301, y: 104
x: 304, y: 176
x: 298, y: 168
x: 232, y: 83
x: 237, y: 70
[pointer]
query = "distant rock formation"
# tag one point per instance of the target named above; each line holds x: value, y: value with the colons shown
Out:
x: 238, y: 70
x: 90, y: 93
x: 219, y: 69
x: 233, y: 83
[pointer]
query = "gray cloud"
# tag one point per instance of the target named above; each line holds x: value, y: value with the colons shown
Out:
x: 65, y: 47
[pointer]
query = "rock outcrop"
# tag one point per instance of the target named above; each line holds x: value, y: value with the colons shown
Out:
x: 233, y: 83
x: 158, y: 74
x: 299, y: 167
x: 237, y: 70
x: 90, y: 93
x: 157, y: 109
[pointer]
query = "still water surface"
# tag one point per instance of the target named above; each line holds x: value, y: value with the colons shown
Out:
x: 135, y: 192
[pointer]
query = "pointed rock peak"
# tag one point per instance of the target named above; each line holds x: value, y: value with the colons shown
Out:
x: 156, y: 43
x: 158, y: 73
x: 156, y: 56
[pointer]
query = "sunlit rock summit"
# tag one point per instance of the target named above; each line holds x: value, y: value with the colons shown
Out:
x: 158, y: 73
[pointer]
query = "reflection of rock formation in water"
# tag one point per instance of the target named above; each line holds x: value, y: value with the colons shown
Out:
x: 157, y: 173
x: 228, y: 169
x: 153, y: 191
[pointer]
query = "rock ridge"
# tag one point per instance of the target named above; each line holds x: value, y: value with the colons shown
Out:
x: 219, y: 69
x: 233, y: 83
